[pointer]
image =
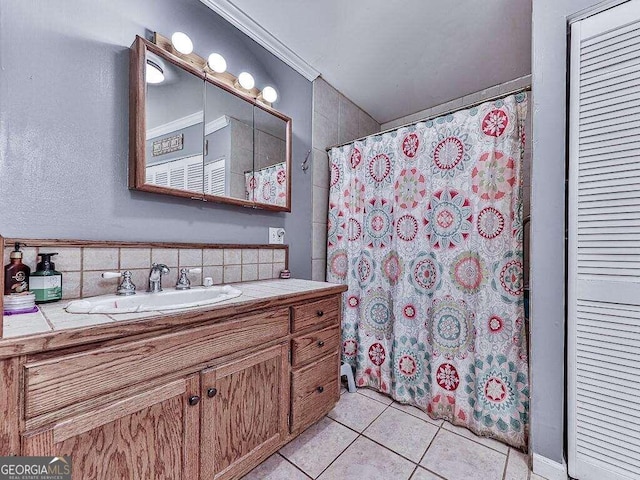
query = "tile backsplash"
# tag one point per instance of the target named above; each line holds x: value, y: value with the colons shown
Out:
x: 82, y: 265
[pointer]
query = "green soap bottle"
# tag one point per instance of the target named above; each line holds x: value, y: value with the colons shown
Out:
x: 46, y: 282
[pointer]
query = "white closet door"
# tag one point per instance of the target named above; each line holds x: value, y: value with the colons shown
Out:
x: 604, y: 246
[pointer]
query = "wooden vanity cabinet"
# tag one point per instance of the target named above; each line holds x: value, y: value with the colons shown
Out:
x: 210, y: 401
x: 150, y: 435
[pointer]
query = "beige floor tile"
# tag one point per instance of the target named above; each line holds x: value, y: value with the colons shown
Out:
x: 517, y: 466
x: 380, y: 397
x: 318, y: 446
x: 422, y: 474
x: 405, y: 434
x: 416, y: 412
x: 456, y: 457
x: 486, y: 441
x: 275, y: 468
x: 365, y: 459
x: 356, y: 411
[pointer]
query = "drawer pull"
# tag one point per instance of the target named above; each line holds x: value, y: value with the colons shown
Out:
x: 211, y: 392
x: 321, y: 343
x: 193, y: 400
x: 320, y: 389
x: 320, y: 313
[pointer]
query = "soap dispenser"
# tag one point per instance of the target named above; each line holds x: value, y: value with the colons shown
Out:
x: 46, y: 282
x: 16, y: 273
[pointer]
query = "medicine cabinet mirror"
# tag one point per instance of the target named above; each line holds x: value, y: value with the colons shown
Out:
x: 194, y: 135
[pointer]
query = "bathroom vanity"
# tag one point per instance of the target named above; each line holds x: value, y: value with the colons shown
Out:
x: 203, y: 393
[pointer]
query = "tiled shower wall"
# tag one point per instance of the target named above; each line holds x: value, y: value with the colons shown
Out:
x: 82, y: 266
x: 336, y: 119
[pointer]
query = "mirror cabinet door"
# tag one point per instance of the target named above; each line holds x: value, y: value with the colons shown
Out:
x: 174, y: 126
x: 194, y: 135
x: 228, y: 140
x: 270, y: 177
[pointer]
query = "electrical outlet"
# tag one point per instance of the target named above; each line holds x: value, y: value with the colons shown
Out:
x: 276, y: 235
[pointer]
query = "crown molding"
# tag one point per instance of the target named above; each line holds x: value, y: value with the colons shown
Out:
x: 215, y: 125
x: 188, y: 121
x: 174, y: 125
x: 250, y: 27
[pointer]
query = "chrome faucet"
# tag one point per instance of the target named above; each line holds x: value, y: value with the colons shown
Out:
x: 155, y: 277
x: 126, y: 287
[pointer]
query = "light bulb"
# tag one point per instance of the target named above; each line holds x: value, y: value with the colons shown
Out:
x: 154, y: 73
x: 246, y: 81
x: 269, y: 94
x: 182, y: 43
x: 217, y: 63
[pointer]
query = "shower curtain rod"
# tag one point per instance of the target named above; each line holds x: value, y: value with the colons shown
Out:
x: 526, y: 88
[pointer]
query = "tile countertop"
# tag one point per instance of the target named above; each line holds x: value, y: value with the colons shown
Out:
x: 53, y: 319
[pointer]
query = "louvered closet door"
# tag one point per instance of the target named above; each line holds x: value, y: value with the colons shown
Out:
x: 604, y: 246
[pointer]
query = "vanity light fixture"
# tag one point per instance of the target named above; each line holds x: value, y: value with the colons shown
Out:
x: 269, y: 94
x: 246, y: 80
x: 182, y: 43
x: 217, y: 63
x: 154, y: 73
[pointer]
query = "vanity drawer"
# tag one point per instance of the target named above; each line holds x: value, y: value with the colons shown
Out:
x: 315, y: 391
x: 314, y: 313
x: 310, y: 346
x: 57, y: 382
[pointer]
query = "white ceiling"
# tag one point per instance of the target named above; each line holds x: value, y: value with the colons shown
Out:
x: 392, y: 57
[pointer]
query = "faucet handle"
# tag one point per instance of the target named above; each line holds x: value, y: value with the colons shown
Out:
x: 111, y: 274
x: 126, y: 287
x: 183, y: 280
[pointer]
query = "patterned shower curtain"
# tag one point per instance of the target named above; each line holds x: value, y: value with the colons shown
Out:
x: 425, y: 227
x: 267, y: 185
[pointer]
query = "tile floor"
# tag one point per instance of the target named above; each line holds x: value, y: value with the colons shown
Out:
x: 369, y: 436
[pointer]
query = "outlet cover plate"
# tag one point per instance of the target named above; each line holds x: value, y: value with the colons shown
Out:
x: 276, y: 235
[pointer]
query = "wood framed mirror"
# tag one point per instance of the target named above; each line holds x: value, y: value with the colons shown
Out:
x: 193, y: 134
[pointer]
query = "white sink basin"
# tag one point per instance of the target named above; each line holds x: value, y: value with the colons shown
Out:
x: 145, y: 301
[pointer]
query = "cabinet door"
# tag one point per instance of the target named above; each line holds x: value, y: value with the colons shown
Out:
x: 151, y: 435
x: 245, y: 408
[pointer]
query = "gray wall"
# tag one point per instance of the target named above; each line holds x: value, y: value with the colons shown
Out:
x: 548, y: 223
x: 64, y: 126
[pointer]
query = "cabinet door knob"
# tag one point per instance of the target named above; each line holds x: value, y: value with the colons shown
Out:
x: 193, y: 400
x: 320, y: 313
x: 320, y: 389
x: 211, y: 392
x: 321, y: 343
